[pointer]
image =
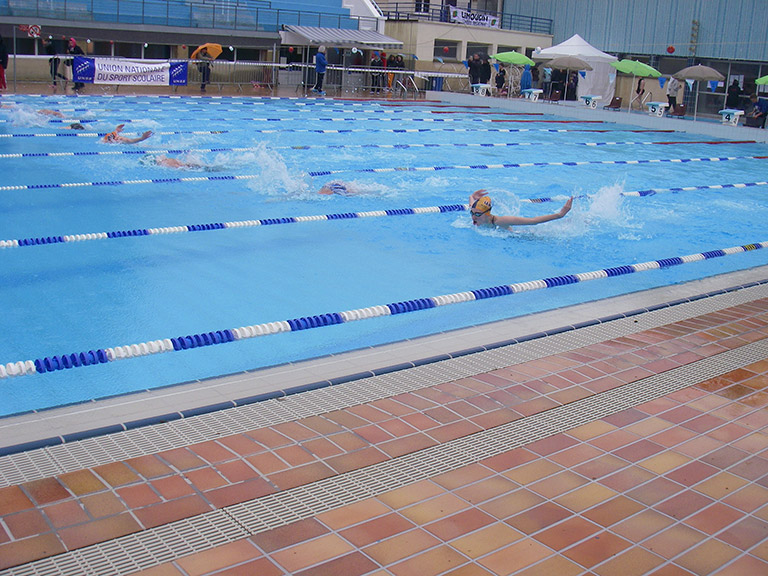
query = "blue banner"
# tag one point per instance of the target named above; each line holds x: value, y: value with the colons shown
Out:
x: 131, y: 72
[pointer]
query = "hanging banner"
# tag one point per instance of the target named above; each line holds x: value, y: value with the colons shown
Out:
x: 129, y: 72
x: 474, y: 19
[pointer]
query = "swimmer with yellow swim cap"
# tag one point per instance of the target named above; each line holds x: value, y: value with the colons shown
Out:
x: 480, y: 209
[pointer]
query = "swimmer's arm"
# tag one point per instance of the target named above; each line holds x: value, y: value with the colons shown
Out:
x: 507, y: 221
x: 476, y: 195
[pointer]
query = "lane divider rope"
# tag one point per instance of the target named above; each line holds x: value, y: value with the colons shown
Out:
x: 105, y: 355
x: 45, y: 240
x: 353, y: 146
x: 377, y: 171
x: 337, y: 119
x: 342, y: 131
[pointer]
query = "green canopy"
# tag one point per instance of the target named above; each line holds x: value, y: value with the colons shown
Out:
x: 762, y: 80
x: 514, y: 58
x: 636, y: 68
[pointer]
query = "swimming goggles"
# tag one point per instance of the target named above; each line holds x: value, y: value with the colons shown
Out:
x: 478, y: 214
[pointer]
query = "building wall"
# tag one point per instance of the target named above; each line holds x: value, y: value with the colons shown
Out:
x: 727, y: 30
x: 419, y: 37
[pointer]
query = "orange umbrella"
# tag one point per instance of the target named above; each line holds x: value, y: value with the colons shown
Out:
x: 214, y: 50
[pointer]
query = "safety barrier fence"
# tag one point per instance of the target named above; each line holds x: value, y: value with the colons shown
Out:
x: 179, y: 343
x: 375, y: 171
x: 259, y: 78
x: 349, y: 146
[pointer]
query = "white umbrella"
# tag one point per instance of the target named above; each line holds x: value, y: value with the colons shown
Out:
x: 698, y: 73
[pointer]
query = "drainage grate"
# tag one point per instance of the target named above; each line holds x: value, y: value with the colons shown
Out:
x: 155, y: 546
x: 72, y: 456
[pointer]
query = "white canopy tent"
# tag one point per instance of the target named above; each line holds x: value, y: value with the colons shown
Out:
x: 600, y: 81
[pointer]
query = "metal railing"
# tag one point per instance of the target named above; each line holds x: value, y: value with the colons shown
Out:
x: 258, y: 15
x: 260, y: 77
x: 409, y: 11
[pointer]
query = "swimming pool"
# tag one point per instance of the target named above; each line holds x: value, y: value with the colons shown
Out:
x: 264, y: 161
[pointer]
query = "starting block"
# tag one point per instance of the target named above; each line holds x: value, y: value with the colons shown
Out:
x: 657, y: 108
x: 481, y: 89
x: 591, y: 101
x: 532, y: 94
x: 731, y: 117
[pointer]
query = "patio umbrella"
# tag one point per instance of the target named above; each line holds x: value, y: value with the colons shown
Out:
x: 762, y: 80
x: 636, y: 69
x: 568, y: 63
x: 214, y: 50
x: 514, y: 58
x: 698, y: 73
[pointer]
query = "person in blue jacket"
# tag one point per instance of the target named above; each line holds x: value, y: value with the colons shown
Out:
x: 759, y: 109
x: 320, y: 65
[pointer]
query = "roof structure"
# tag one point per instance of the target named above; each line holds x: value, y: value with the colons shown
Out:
x: 340, y: 38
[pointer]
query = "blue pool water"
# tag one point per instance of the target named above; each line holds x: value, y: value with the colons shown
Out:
x: 266, y: 159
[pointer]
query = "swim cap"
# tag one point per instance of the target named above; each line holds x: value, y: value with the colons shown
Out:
x: 482, y: 204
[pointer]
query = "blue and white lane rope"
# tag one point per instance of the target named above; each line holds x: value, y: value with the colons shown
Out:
x: 44, y: 240
x: 375, y: 171
x: 102, y: 134
x: 330, y: 131
x: 105, y: 355
x: 142, y: 151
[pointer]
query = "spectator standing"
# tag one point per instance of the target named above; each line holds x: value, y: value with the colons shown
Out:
x: 485, y: 74
x: 673, y: 87
x: 74, y: 50
x: 321, y: 63
x: 474, y: 69
x: 734, y: 95
x: 3, y: 63
x: 390, y: 65
x: 53, y: 62
x: 501, y: 80
x: 204, y: 67
x: 376, y: 77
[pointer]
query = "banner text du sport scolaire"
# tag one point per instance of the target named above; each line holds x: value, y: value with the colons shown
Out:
x: 131, y: 72
x: 116, y: 72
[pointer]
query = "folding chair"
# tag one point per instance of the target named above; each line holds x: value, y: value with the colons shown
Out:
x: 555, y: 97
x: 615, y: 104
x: 679, y: 111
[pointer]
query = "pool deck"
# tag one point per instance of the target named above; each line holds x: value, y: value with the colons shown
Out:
x: 627, y: 436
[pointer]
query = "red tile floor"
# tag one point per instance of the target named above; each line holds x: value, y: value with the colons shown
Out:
x: 674, y: 486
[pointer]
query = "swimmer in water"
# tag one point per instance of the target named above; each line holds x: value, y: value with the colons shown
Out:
x: 114, y: 137
x: 42, y: 111
x: 167, y: 162
x: 338, y: 187
x: 480, y: 210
